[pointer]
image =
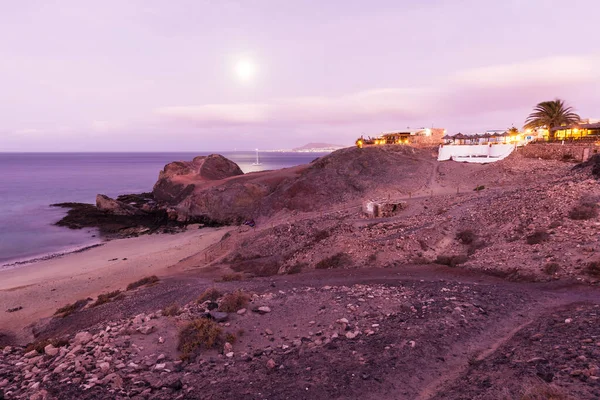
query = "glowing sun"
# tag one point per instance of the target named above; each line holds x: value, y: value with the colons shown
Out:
x: 245, y: 70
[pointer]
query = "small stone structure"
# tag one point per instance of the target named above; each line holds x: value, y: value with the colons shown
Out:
x: 381, y: 209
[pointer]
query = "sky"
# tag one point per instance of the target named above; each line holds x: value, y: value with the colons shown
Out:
x: 147, y: 75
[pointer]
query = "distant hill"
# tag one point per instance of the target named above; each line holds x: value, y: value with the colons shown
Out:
x: 319, y: 146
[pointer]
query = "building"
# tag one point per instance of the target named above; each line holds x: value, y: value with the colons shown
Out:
x: 422, y: 136
x: 588, y: 129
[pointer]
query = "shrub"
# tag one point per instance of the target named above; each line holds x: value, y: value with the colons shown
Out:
x: 568, y: 157
x: 451, y: 261
x: 149, y: 280
x: 321, y: 235
x: 551, y: 268
x: 107, y: 297
x: 544, y: 391
x: 211, y: 294
x: 296, y: 268
x: 232, y: 277
x: 466, y: 236
x: 538, y: 237
x: 256, y: 265
x: 234, y: 301
x: 336, y: 261
x: 172, y: 310
x: 593, y: 268
x: 476, y: 245
x: 71, y: 308
x: 230, y: 338
x: 199, y: 334
x: 584, y: 211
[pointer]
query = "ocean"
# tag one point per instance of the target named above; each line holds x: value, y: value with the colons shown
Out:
x: 30, y: 182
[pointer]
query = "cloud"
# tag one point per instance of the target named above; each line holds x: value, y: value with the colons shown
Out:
x: 553, y: 71
x: 386, y: 103
x: 473, y: 92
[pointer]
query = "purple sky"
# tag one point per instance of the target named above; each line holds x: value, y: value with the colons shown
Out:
x: 143, y: 75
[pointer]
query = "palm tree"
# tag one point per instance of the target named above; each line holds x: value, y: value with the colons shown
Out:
x: 550, y: 114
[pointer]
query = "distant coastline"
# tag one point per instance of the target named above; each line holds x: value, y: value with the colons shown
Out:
x: 311, y: 148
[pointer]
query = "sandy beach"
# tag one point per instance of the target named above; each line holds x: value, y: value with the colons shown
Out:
x: 44, y: 286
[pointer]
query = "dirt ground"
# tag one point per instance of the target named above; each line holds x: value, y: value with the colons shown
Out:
x: 416, y: 332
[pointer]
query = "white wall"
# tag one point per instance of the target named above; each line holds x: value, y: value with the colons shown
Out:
x: 481, y: 153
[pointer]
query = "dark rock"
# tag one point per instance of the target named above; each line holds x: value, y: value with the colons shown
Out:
x: 116, y: 207
x: 219, y: 316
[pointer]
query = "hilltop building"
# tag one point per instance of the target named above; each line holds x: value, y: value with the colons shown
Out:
x: 586, y: 129
x: 415, y: 137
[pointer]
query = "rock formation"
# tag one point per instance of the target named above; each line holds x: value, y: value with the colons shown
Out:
x: 212, y: 188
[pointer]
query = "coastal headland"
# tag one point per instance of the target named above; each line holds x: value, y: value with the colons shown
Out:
x: 373, y: 273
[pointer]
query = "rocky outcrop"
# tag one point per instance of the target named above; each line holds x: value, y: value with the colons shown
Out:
x: 116, y: 207
x: 179, y: 179
x: 195, y: 189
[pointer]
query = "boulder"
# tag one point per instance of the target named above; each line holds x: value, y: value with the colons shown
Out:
x: 178, y: 179
x: 116, y: 207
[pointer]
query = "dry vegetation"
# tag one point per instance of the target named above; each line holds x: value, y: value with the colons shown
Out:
x: 71, y: 308
x: 232, y: 277
x: 544, y: 391
x: 171, y: 310
x: 584, y: 211
x: 107, y: 297
x: 197, y: 335
x: 211, y: 294
x: 235, y: 301
x: 338, y: 260
x: 149, y: 280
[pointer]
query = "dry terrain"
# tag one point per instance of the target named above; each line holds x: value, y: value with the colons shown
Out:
x: 456, y: 293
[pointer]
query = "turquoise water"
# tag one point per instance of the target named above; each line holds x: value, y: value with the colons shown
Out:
x: 30, y: 182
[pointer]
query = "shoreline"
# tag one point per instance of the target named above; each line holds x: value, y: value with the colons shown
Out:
x: 43, y: 286
x: 18, y: 262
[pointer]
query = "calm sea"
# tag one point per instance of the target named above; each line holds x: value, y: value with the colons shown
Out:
x: 30, y: 182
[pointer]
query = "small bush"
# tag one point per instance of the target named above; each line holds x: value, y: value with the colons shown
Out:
x: 593, y: 268
x: 551, y: 268
x: 107, y: 297
x: 537, y: 237
x: 199, y: 334
x: 71, y: 308
x: 296, y: 268
x: 451, y: 261
x: 584, y: 211
x: 172, y: 310
x: 321, y: 235
x: 544, y: 391
x: 149, y: 280
x: 372, y: 258
x: 230, y: 338
x: 555, y: 224
x: 466, y: 236
x: 476, y: 245
x: 232, y: 277
x: 568, y: 157
x: 211, y: 294
x: 234, y: 301
x: 336, y: 261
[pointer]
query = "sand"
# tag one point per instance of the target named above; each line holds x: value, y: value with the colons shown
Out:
x: 46, y: 285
